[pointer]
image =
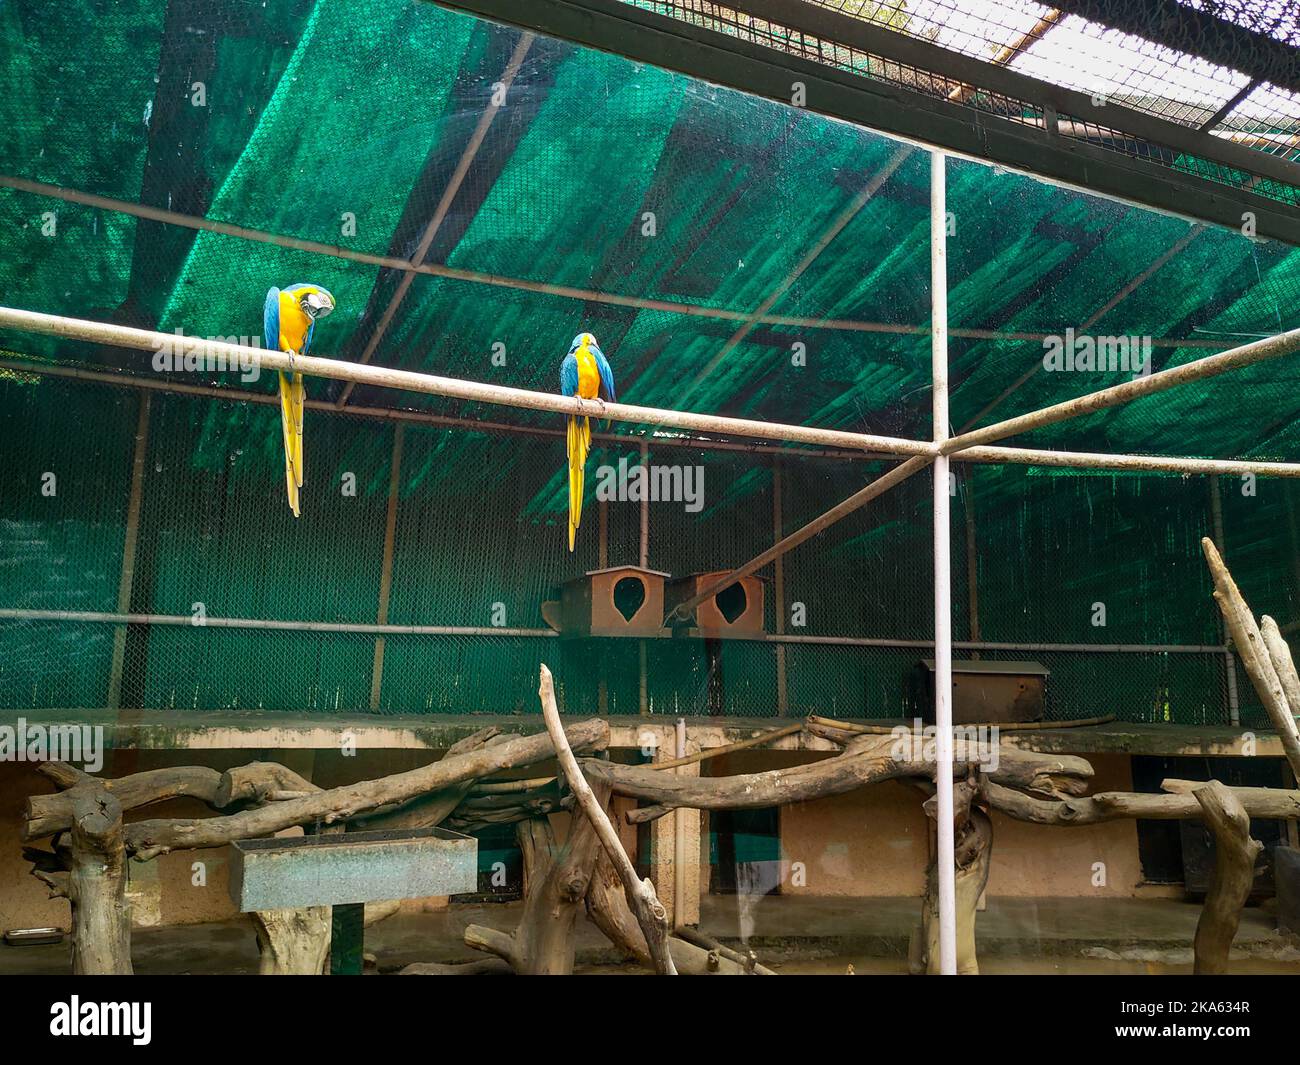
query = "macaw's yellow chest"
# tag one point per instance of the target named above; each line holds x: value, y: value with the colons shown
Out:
x: 588, y: 373
x: 294, y: 324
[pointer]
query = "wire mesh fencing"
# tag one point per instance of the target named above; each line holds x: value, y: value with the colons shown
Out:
x: 150, y: 561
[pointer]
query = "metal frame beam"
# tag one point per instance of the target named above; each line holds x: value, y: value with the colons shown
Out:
x: 92, y: 617
x: 1183, y: 28
x: 936, y: 122
x: 694, y: 310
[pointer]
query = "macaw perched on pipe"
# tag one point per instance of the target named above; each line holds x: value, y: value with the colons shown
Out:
x: 288, y: 322
x: 585, y: 373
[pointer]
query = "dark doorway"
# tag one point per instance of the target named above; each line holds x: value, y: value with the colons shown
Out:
x: 1174, y: 853
x: 745, y: 852
x: 500, y: 866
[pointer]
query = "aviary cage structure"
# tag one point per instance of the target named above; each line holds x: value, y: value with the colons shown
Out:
x: 474, y: 195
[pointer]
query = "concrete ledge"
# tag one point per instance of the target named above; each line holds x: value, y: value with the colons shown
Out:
x: 238, y: 730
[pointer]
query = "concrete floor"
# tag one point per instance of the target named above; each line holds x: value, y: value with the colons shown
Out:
x: 797, y: 934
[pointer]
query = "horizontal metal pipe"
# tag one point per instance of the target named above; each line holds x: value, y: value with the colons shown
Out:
x: 1199, y: 369
x: 194, y: 222
x: 1023, y: 456
x: 371, y: 629
x: 416, y: 417
x: 985, y: 645
x: 453, y: 388
x: 983, y: 453
x: 209, y: 622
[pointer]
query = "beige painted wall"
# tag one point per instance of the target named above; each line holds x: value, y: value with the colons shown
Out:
x: 874, y: 842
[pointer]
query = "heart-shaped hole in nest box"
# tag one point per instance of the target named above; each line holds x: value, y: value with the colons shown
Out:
x: 629, y: 594
x: 732, y: 602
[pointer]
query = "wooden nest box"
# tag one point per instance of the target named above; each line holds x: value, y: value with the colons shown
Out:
x: 619, y: 601
x: 736, y: 610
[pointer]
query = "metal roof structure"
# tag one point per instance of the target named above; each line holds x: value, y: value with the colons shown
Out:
x: 1152, y: 102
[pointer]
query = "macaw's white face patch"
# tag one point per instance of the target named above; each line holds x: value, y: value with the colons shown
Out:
x: 317, y: 304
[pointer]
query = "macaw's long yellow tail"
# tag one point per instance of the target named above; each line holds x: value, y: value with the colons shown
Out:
x: 579, y: 445
x: 293, y: 399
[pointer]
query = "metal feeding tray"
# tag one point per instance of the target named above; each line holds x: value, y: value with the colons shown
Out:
x: 351, y: 867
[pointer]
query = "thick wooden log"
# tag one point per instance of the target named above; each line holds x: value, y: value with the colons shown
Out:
x: 641, y: 897
x: 974, y: 844
x: 1234, y: 874
x: 101, y: 917
x: 486, y: 967
x: 148, y: 839
x: 46, y: 814
x: 1249, y: 644
x: 1279, y: 654
x: 293, y: 942
x: 429, y: 811
x: 257, y: 782
x: 865, y: 760
x: 555, y: 885
x: 746, y: 962
x: 607, y: 907
x: 1273, y: 803
x: 478, y: 811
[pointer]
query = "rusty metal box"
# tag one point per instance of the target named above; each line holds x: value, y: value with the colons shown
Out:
x: 734, y: 611
x: 983, y: 692
x: 351, y: 867
x: 619, y: 601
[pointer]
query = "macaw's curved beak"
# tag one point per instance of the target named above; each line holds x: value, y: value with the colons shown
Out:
x: 318, y: 304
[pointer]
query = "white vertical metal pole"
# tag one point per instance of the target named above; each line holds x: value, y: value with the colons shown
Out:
x: 643, y: 560
x: 679, y: 839
x: 946, y: 858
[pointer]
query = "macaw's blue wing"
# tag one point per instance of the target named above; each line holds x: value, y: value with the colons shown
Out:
x: 569, y: 375
x: 271, y: 320
x: 306, y: 344
x: 607, y: 392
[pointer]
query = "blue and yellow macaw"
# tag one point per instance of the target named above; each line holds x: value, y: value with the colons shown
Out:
x: 585, y: 372
x: 288, y: 322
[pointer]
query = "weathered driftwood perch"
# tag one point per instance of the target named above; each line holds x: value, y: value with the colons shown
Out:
x: 1119, y: 805
x: 101, y: 917
x: 47, y: 814
x: 293, y: 942
x: 91, y: 871
x: 1263, y: 663
x: 556, y: 880
x: 258, y: 783
x: 973, y: 833
x: 641, y: 897
x: 865, y: 760
x: 1234, y: 874
x: 479, y: 811
x: 607, y: 907
x: 486, y: 967
x: 147, y: 839
x: 428, y: 811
